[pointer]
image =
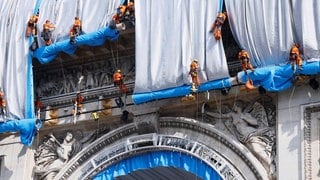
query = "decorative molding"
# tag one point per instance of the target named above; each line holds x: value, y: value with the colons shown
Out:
x: 104, y: 151
x: 308, y: 156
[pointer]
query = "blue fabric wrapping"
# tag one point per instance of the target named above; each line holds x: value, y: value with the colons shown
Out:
x: 29, y: 110
x: 278, y: 78
x: 271, y: 78
x: 26, y: 127
x: 159, y: 158
x: 140, y: 98
x: 47, y: 53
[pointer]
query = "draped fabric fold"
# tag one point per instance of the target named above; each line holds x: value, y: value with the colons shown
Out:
x: 307, y: 26
x: 169, y: 35
x: 268, y: 29
x: 263, y: 28
x: 16, y: 77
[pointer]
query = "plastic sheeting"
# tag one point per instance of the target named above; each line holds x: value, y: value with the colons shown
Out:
x: 169, y: 35
x: 160, y: 158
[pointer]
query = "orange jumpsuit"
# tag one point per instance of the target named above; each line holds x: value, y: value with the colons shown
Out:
x: 194, y: 72
x: 78, y: 103
x: 77, y: 26
x: 118, y: 81
x: 2, y: 103
x: 31, y: 28
x: 295, y: 57
x: 216, y: 27
x: 244, y: 58
x: 47, y: 32
x: 38, y: 105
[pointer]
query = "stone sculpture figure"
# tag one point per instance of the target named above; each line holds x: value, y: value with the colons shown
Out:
x: 52, y: 155
x: 250, y: 126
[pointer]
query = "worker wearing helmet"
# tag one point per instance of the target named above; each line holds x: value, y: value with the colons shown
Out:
x: 47, y: 32
x: 117, y: 78
x: 32, y: 25
x: 244, y: 59
x: 75, y: 30
x: 118, y: 81
x: 216, y: 27
x: 3, y: 103
x: 295, y: 56
x: 194, y: 72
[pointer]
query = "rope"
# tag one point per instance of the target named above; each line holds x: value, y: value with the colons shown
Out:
x: 117, y: 43
x: 63, y: 75
x: 289, y: 102
x: 113, y: 58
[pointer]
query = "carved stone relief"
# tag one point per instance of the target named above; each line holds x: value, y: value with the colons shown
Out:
x: 253, y: 124
x: 69, y: 79
x: 56, y: 150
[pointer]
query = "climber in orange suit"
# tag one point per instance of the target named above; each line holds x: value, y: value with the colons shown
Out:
x: 3, y: 103
x: 194, y: 72
x: 118, y: 81
x: 295, y: 56
x: 77, y: 104
x: 216, y: 26
x: 32, y: 25
x: 75, y: 30
x: 47, y: 32
x: 244, y: 58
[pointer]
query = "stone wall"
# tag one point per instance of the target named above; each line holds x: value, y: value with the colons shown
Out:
x: 298, y: 133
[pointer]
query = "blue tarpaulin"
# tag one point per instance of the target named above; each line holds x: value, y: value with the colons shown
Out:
x: 271, y: 78
x: 46, y: 54
x: 26, y: 127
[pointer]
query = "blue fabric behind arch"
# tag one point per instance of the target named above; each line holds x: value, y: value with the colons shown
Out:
x: 160, y: 158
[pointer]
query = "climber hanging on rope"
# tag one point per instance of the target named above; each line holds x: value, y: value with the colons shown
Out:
x: 118, y: 81
x: 216, y: 26
x: 47, y: 32
x: 124, y: 15
x: 194, y: 72
x: 32, y: 29
x: 32, y: 25
x: 77, y: 104
x: 38, y: 106
x: 3, y: 103
x: 244, y: 59
x: 76, y: 30
x: 295, y: 57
